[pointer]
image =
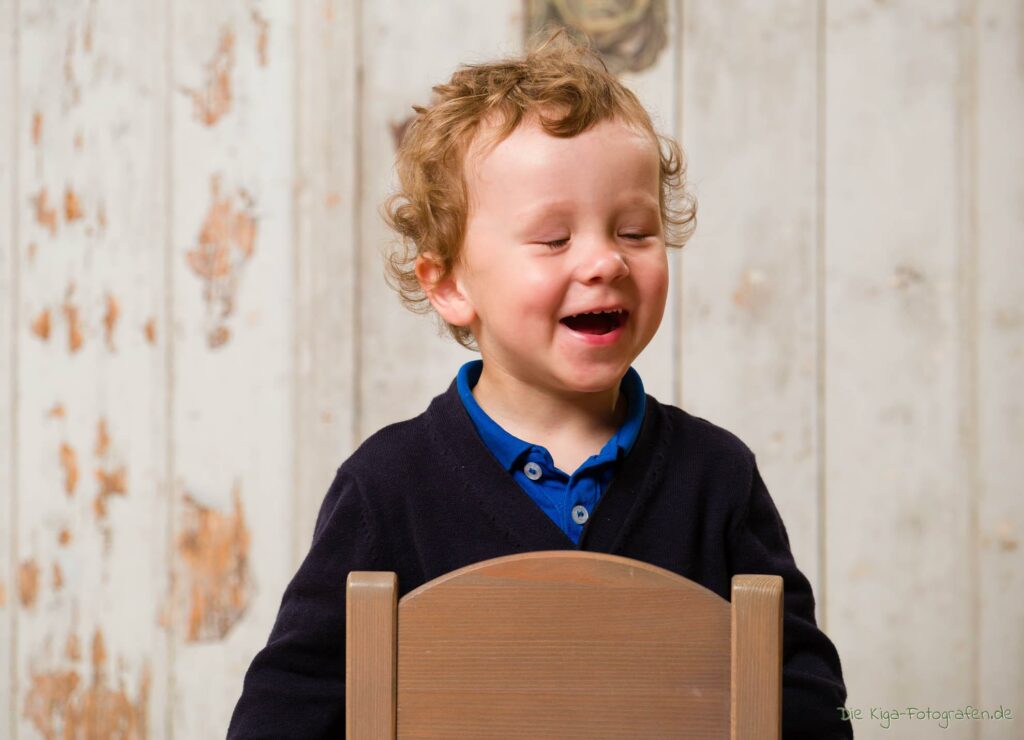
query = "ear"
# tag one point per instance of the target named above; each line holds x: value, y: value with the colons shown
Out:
x: 447, y: 296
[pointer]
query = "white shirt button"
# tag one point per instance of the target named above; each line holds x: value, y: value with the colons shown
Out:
x: 532, y: 470
x: 580, y: 514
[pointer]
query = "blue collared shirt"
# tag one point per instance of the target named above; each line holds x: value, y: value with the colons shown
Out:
x: 568, y: 499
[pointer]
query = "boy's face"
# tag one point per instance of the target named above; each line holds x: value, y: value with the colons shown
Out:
x: 596, y: 197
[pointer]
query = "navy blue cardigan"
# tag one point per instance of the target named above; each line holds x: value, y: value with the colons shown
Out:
x: 425, y: 496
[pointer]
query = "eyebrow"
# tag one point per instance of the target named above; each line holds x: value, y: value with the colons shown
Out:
x: 638, y: 200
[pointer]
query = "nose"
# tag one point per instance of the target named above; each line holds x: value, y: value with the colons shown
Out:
x: 602, y: 260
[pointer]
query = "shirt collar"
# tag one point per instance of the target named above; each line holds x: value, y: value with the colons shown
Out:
x: 509, y: 449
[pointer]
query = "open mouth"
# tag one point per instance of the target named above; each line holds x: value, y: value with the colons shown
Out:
x: 596, y: 323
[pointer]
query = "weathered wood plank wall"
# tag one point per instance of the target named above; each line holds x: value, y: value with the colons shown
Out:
x: 231, y: 180
x: 195, y: 330
x: 89, y: 424
x: 900, y: 363
x: 9, y: 299
x: 896, y: 398
x: 749, y: 322
x: 992, y: 230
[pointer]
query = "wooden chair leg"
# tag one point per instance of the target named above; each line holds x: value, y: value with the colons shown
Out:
x: 371, y: 655
x: 756, y: 710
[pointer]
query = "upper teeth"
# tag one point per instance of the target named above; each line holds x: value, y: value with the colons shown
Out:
x: 588, y: 313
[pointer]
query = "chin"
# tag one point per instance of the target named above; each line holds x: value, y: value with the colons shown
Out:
x: 597, y: 379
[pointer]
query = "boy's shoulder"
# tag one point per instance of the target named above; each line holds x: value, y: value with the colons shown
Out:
x: 395, y: 447
x: 412, y: 452
x: 706, y: 438
x: 705, y: 432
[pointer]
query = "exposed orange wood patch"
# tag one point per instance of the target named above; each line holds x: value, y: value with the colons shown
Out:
x: 217, y: 336
x: 262, y: 27
x: 37, y: 127
x: 70, y: 311
x: 99, y: 651
x: 163, y: 618
x: 214, y: 553
x: 226, y: 242
x: 101, y: 216
x: 332, y: 199
x: 48, y: 698
x: 3, y: 595
x: 214, y: 100
x: 72, y: 208
x: 73, y: 648
x: 69, y: 463
x: 87, y: 31
x: 32, y: 252
x: 28, y: 583
x: 58, y: 577
x: 111, y: 483
x: 56, y: 411
x: 60, y: 704
x: 110, y: 321
x: 64, y: 537
x: 150, y: 331
x: 78, y: 141
x: 46, y: 215
x: 40, y: 325
x: 1006, y: 537
x: 752, y: 293
x: 102, y: 437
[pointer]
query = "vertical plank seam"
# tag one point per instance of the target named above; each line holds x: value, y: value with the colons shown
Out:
x: 15, y: 264
x: 677, y: 292
x: 357, y: 222
x: 821, y: 330
x: 967, y: 278
x: 169, y: 333
x: 299, y: 183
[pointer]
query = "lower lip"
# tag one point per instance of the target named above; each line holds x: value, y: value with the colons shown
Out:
x: 597, y: 340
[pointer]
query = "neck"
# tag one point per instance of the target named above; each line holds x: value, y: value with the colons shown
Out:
x: 535, y: 414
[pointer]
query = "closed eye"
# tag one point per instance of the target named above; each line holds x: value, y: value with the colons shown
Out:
x: 561, y: 242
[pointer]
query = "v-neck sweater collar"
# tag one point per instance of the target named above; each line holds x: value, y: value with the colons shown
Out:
x: 482, y: 478
x: 509, y: 449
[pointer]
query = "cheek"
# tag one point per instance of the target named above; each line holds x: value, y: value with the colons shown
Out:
x: 654, y: 280
x: 517, y: 293
x: 535, y: 290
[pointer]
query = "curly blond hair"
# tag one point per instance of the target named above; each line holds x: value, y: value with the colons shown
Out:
x: 429, y: 211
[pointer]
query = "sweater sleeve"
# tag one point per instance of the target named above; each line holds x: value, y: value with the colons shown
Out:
x: 295, y: 685
x: 812, y: 678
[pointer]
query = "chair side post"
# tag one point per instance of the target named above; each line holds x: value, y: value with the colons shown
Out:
x: 371, y: 655
x: 756, y: 698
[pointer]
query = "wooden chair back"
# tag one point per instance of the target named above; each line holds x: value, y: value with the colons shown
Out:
x: 560, y: 644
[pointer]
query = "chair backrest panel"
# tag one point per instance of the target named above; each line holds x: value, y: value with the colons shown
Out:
x: 563, y: 644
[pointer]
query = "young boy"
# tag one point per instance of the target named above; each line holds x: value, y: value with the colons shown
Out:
x: 536, y: 200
